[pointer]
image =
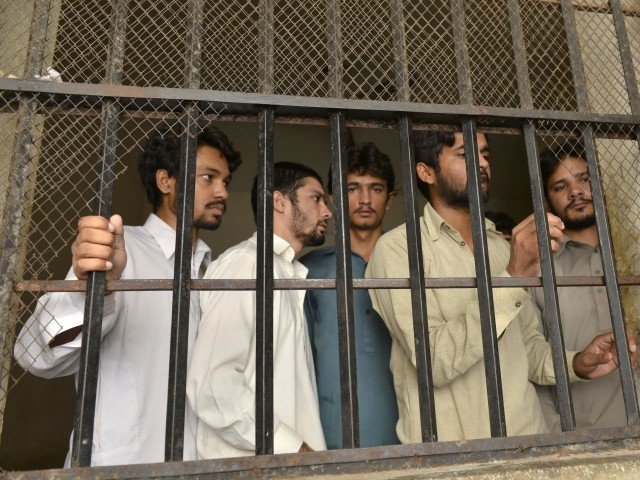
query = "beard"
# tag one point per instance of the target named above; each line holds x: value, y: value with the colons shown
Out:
x: 204, y: 223
x: 312, y: 238
x: 574, y: 223
x: 454, y: 196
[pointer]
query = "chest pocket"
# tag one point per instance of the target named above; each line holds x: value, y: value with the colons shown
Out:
x: 117, y: 412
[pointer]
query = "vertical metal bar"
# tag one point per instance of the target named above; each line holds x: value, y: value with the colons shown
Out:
x: 483, y: 275
x: 602, y: 222
x: 418, y: 292
x: 625, y: 55
x: 334, y: 47
x: 401, y: 65
x: 264, y: 287
x: 520, y: 54
x: 611, y: 281
x: 180, y: 311
x: 344, y: 292
x: 551, y: 308
x: 94, y: 298
x: 573, y: 44
x: 462, y: 53
x: 266, y: 28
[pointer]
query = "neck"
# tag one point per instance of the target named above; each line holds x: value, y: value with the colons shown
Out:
x: 363, y: 241
x: 458, y: 217
x: 286, y: 234
x: 168, y: 217
x: 588, y: 236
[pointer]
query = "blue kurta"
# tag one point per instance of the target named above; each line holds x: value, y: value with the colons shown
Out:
x: 376, y: 394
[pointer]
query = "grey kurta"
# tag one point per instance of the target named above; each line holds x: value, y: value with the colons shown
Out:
x: 584, y: 313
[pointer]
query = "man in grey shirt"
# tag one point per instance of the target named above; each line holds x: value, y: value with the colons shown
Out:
x: 584, y: 311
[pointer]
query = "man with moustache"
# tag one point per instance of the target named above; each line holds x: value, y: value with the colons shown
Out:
x: 584, y: 311
x: 131, y: 403
x: 221, y: 380
x: 370, y: 188
x: 453, y: 314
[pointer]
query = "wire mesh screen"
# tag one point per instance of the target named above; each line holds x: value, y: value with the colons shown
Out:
x: 236, y: 47
x: 417, y: 51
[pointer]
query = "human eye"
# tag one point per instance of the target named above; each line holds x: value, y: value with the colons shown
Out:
x: 206, y: 176
x: 352, y: 189
x: 377, y: 189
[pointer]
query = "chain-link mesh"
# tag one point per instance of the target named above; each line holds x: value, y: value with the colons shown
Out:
x: 383, y: 49
x: 377, y: 40
x: 617, y: 151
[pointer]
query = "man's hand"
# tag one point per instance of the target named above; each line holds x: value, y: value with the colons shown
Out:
x: 525, y: 259
x: 99, y: 246
x: 305, y: 448
x: 601, y: 356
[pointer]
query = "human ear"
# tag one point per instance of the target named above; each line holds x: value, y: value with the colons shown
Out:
x: 425, y: 173
x: 164, y: 182
x: 278, y: 202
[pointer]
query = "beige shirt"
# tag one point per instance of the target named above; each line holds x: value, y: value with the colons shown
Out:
x: 222, y: 378
x: 455, y: 337
x: 584, y: 313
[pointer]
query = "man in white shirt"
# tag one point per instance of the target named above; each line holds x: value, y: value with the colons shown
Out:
x: 134, y: 354
x: 221, y: 380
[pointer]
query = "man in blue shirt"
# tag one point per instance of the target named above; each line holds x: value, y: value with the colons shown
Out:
x: 370, y: 186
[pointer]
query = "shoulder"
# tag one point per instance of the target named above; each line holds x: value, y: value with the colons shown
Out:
x: 393, y: 240
x: 318, y: 256
x: 238, y: 261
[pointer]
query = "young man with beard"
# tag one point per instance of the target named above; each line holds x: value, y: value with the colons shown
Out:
x: 453, y: 314
x: 584, y: 311
x: 221, y: 380
x: 136, y: 327
x: 370, y: 187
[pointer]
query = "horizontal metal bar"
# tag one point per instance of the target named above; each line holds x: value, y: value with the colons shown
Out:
x: 235, y: 102
x: 41, y: 286
x: 365, y: 460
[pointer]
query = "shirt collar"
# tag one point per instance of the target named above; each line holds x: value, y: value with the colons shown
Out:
x: 435, y: 223
x: 285, y: 251
x: 165, y: 236
x: 568, y: 242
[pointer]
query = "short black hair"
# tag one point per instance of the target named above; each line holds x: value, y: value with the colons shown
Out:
x: 550, y: 159
x: 427, y: 147
x: 504, y: 223
x: 366, y: 159
x: 162, y: 152
x: 288, y: 177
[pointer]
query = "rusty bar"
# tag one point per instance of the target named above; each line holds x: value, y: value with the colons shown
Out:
x: 520, y: 54
x: 401, y: 64
x: 551, y: 306
x: 428, y: 425
x: 577, y: 68
x: 465, y: 89
x: 266, y: 29
x: 334, y: 49
x: 42, y: 286
x: 625, y: 55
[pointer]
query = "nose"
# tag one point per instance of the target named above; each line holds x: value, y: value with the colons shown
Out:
x: 576, y: 190
x: 365, y: 197
x: 484, y: 163
x: 326, y: 211
x: 221, y: 191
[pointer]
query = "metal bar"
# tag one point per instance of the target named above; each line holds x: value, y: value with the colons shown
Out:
x: 621, y: 443
x: 344, y: 293
x: 465, y: 89
x: 94, y: 299
x: 625, y: 55
x: 417, y: 282
x: 551, y: 307
x: 266, y: 28
x: 401, y: 64
x: 483, y: 274
x: 41, y: 286
x: 264, y: 288
x: 611, y: 283
x: 573, y: 44
x: 180, y: 309
x: 334, y: 49
x: 520, y: 54
x: 152, y: 98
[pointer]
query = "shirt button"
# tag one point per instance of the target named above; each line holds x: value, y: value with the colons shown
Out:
x: 598, y: 272
x: 462, y: 244
x: 518, y: 304
x: 600, y: 290
x: 368, y: 311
